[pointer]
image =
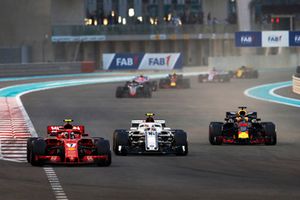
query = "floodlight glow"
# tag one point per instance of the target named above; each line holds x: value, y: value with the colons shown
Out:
x: 124, y: 21
x: 105, y: 22
x: 131, y: 12
x: 140, y: 18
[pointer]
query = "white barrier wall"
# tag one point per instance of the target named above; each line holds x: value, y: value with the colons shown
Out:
x: 272, y: 61
x: 296, y: 84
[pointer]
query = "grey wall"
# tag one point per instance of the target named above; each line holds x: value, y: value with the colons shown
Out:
x: 26, y: 23
x: 18, y: 70
x: 271, y: 61
x: 67, y: 12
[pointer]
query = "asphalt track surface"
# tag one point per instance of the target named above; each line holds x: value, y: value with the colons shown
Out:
x: 208, y: 172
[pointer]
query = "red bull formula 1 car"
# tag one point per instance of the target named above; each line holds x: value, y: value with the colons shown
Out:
x: 174, y: 81
x: 68, y: 144
x: 242, y: 127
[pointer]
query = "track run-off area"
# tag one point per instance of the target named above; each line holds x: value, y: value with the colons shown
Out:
x: 208, y: 172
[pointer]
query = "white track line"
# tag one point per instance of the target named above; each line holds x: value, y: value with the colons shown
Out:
x: 51, y: 175
x: 55, y: 184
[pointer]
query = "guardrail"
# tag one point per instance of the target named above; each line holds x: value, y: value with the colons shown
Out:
x: 296, y: 83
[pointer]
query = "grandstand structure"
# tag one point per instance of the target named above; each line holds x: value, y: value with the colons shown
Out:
x: 77, y: 30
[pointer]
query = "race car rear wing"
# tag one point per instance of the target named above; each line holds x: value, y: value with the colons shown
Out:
x: 135, y: 123
x: 234, y: 114
x: 52, y: 130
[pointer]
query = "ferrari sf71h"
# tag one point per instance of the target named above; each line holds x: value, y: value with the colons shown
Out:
x: 68, y: 144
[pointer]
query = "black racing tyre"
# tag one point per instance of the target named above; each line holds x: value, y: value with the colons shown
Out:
x: 180, y: 143
x: 215, y: 133
x: 162, y: 83
x: 103, y: 148
x: 38, y: 148
x: 226, y: 78
x: 298, y: 70
x: 200, y: 78
x: 29, y: 147
x: 120, y: 138
x: 270, y: 133
x: 147, y: 91
x: 105, y: 163
x: 119, y: 92
x: 231, y: 74
x: 154, y: 86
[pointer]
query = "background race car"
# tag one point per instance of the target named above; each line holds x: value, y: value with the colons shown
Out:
x: 242, y: 127
x: 174, y: 81
x: 244, y: 72
x: 145, y: 80
x: 214, y: 76
x: 68, y: 144
x: 134, y: 89
x: 150, y: 136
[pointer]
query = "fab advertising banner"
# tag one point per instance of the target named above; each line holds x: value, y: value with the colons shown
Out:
x: 142, y: 61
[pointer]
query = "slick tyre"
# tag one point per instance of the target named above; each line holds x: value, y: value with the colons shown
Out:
x: 270, y: 133
x: 120, y: 139
x: 103, y: 148
x: 180, y: 143
x: 147, y: 92
x: 215, y: 133
x: 162, y: 83
x: 154, y: 86
x: 226, y: 78
x: 38, y: 148
x: 119, y: 92
x: 29, y: 147
x: 200, y: 78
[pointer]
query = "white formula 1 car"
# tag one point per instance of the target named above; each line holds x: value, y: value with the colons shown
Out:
x: 214, y: 76
x: 150, y: 136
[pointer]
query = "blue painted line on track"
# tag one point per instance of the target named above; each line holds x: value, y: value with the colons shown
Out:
x: 267, y: 93
x: 17, y: 90
x: 60, y: 76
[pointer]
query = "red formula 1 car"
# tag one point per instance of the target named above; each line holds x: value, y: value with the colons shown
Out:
x: 68, y: 144
x: 242, y: 127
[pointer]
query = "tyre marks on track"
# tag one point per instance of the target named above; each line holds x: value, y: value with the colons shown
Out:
x: 55, y: 184
x: 14, y: 130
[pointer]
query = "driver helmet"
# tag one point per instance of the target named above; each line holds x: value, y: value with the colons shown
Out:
x: 67, y: 124
x: 149, y: 117
x: 72, y: 135
x: 242, y: 113
x: 65, y: 135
